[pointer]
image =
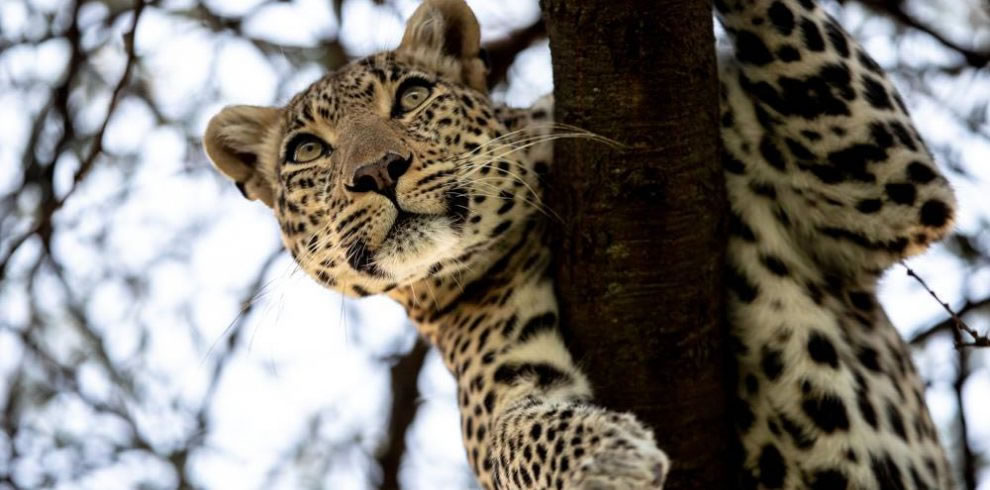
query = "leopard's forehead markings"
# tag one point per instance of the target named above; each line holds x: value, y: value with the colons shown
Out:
x: 354, y: 87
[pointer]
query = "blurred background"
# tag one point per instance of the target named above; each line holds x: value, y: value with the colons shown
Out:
x: 154, y: 335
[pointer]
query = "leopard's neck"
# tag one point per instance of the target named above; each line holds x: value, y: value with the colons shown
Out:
x: 439, y: 305
x: 497, y: 321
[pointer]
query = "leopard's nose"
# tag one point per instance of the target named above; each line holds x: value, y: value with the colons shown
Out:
x: 381, y: 175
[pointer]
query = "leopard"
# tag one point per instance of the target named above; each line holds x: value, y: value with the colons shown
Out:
x: 398, y: 175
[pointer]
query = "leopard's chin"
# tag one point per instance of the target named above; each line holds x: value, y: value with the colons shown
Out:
x: 414, y: 244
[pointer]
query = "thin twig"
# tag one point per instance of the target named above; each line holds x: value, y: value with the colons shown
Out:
x: 43, y: 223
x: 130, y: 40
x: 947, y: 324
x: 979, y: 340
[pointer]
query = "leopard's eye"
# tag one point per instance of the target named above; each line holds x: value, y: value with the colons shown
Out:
x: 307, y: 151
x: 305, y: 148
x: 413, y: 96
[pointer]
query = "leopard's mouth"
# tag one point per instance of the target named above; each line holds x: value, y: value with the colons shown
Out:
x: 413, y: 241
x: 409, y: 225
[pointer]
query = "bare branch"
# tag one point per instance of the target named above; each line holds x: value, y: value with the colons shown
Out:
x: 979, y: 340
x: 43, y: 222
x: 405, y: 372
x: 895, y: 10
x: 503, y: 53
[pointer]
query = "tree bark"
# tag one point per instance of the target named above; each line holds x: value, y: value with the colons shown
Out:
x: 639, y: 253
x: 405, y: 394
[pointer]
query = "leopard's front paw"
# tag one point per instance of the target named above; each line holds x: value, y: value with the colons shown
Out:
x: 574, y: 446
x: 621, y: 455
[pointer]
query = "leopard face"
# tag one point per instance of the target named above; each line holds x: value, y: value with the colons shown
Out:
x: 393, y: 169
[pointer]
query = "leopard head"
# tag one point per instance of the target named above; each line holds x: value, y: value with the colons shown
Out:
x: 390, y: 170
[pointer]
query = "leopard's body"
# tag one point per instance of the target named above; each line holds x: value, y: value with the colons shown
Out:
x: 397, y: 175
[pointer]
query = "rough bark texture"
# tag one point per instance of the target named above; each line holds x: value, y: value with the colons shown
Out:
x: 640, y: 250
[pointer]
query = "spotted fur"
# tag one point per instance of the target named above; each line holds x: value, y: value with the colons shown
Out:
x: 396, y: 174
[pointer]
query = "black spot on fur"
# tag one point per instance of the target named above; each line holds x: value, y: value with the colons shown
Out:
x: 852, y: 161
x: 863, y: 301
x: 837, y: 38
x: 869, y: 206
x: 788, y: 54
x: 763, y: 189
x: 896, y: 422
x: 509, y: 326
x: 903, y: 135
x: 739, y: 228
x: 867, y: 62
x: 752, y: 384
x: 815, y: 292
x: 798, y: 150
x: 828, y: 174
x: 775, y: 265
x: 731, y: 164
x: 743, y: 415
x: 812, y: 36
x: 772, y: 468
x: 868, y: 358
x: 737, y: 282
x: 830, y: 479
x: 537, y: 324
x: 866, y: 409
x: 782, y: 217
x: 876, y: 94
x: 934, y: 213
x: 920, y: 173
x: 827, y: 412
x: 507, y: 202
x: 771, y: 153
x: 901, y: 193
x: 781, y: 17
x: 728, y: 119
x: 918, y: 481
x: 822, y: 351
x: 881, y: 136
x: 771, y: 363
x: 798, y: 434
x: 806, y: 97
x: 489, y: 402
x: 887, y: 473
x: 500, y: 228
x: 838, y: 76
x: 750, y: 49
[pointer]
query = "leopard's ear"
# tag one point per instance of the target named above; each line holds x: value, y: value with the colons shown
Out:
x: 446, y: 35
x: 242, y: 142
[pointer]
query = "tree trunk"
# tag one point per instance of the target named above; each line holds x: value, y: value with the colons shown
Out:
x: 640, y: 249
